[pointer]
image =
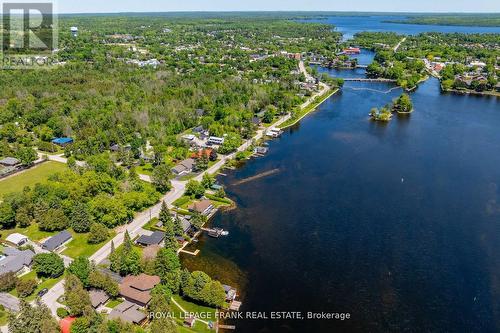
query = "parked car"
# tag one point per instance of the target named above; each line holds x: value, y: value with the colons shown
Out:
x: 42, y: 292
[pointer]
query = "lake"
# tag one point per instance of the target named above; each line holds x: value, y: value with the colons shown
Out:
x: 350, y: 25
x: 396, y: 224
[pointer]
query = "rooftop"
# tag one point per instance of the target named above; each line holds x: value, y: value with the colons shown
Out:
x: 57, y: 240
x: 138, y: 288
x: 154, y: 239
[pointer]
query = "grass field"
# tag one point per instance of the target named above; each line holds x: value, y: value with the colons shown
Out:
x: 46, y: 283
x: 193, y: 308
x: 79, y: 246
x: 37, y: 174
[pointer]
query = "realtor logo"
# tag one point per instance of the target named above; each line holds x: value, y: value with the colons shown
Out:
x: 28, y: 27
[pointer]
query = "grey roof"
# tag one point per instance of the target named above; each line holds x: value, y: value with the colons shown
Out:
x: 200, y: 112
x: 98, y: 297
x: 15, y: 260
x: 57, y: 240
x: 128, y: 312
x: 10, y: 161
x: 154, y: 239
x: 186, y: 225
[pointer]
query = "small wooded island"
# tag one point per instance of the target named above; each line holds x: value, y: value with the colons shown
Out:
x: 401, y: 105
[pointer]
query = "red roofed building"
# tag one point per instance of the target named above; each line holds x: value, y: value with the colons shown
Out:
x: 65, y: 324
x: 352, y: 50
x: 202, y: 152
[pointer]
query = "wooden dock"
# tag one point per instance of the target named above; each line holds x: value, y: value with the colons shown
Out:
x: 235, y: 306
x: 227, y: 327
x: 195, y: 253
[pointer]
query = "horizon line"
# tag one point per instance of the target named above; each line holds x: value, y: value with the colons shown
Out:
x: 281, y: 11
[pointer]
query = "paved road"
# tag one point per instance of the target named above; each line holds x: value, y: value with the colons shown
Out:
x: 399, y: 44
x: 178, y: 188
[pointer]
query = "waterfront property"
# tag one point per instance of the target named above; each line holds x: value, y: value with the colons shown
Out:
x: 137, y: 289
x: 213, y: 140
x: 204, y: 207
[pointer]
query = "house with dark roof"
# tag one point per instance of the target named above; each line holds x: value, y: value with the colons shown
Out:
x: 137, y: 289
x: 56, y: 241
x: 128, y: 312
x: 154, y: 239
x: 186, y: 225
x: 14, y: 260
x: 98, y: 297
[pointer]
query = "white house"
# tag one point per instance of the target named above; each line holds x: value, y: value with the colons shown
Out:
x: 17, y: 239
x: 215, y: 140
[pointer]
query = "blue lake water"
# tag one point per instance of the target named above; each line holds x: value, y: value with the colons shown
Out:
x: 350, y: 25
x: 397, y: 224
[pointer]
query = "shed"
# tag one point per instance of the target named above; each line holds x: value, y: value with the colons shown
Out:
x: 17, y: 239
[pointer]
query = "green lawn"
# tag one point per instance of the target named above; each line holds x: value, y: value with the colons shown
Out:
x: 195, y: 308
x: 31, y: 232
x: 37, y: 174
x: 146, y: 169
x: 113, y: 303
x: 46, y: 283
x: 3, y: 318
x: 79, y: 246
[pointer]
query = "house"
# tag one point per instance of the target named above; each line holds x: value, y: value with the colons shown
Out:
x: 14, y: 260
x: 200, y: 112
x: 230, y: 292
x: 256, y: 121
x: 207, y: 152
x: 213, y: 140
x: 63, y: 142
x: 128, y: 312
x: 184, y: 167
x: 352, y: 50
x: 98, y: 298
x: 154, y: 239
x: 57, y: 241
x: 203, y: 207
x: 186, y: 225
x: 189, y: 321
x: 188, y: 137
x: 10, y: 162
x: 198, y: 129
x: 137, y: 289
x: 17, y: 239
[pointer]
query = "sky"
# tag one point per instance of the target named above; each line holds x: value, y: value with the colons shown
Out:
x: 109, y: 6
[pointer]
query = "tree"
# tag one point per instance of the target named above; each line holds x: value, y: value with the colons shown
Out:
x: 81, y: 268
x: 231, y: 142
x: 167, y: 267
x: 48, y: 265
x: 81, y: 220
x: 26, y: 287
x: 161, y: 178
x: 23, y: 217
x: 27, y: 156
x: 103, y: 281
x: 200, y: 287
x: 160, y: 304
x: 98, y: 233
x: 33, y: 319
x: 126, y: 259
x: 53, y: 220
x: 7, y: 215
x: 195, y: 189
x: 77, y: 298
x: 165, y: 217
x: 178, y: 229
x: 208, y: 180
x: 198, y: 220
x: 8, y: 281
x: 220, y: 193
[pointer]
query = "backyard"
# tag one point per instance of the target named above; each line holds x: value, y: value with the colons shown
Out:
x: 30, y: 177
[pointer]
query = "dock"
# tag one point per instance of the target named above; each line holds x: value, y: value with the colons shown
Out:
x: 235, y: 306
x: 195, y: 253
x: 227, y: 327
